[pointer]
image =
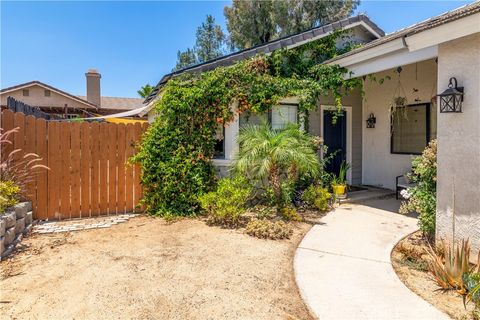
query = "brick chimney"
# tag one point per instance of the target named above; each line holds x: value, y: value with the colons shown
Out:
x: 93, y: 86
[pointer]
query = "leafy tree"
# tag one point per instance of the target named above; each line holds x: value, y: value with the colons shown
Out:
x: 277, y: 156
x: 145, y: 90
x: 210, y: 40
x: 250, y: 22
x: 209, y: 45
x: 293, y: 16
x: 258, y: 21
x: 185, y: 59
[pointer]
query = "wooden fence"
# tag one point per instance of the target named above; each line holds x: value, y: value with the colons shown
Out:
x: 88, y: 174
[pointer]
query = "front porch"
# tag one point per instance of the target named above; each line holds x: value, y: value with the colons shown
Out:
x: 417, y: 75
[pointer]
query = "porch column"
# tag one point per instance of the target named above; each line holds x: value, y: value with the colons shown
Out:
x: 458, y: 184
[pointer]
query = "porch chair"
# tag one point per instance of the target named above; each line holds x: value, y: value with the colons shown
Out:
x: 402, y: 182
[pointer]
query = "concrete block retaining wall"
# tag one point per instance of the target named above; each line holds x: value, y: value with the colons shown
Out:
x: 15, y: 222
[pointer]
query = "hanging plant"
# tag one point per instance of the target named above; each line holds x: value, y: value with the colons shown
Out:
x: 399, y: 100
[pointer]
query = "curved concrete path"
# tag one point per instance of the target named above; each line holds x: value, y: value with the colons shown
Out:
x: 343, y: 268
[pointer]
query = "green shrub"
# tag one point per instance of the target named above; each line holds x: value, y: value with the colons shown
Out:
x: 423, y: 197
x: 290, y: 214
x: 8, y: 194
x: 267, y: 229
x: 226, y: 204
x: 317, y: 197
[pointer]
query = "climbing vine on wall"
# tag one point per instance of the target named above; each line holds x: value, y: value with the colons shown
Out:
x: 178, y: 147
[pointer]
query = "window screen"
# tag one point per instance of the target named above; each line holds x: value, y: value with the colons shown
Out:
x: 283, y: 114
x: 412, y: 129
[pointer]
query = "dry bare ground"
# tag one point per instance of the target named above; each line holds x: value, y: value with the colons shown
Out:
x: 148, y: 269
x: 416, y: 278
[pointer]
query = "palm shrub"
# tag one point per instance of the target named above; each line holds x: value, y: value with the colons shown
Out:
x: 275, y: 157
x: 423, y: 197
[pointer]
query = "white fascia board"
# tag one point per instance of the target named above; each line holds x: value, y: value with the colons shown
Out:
x: 371, y: 53
x: 443, y: 33
x: 366, y: 26
x: 390, y: 61
x: 151, y: 104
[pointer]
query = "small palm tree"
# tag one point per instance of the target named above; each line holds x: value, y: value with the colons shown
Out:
x: 275, y: 156
x: 145, y: 91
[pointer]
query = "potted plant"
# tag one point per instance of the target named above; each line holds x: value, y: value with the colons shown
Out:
x: 339, y: 183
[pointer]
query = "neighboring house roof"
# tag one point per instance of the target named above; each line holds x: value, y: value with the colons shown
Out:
x: 285, y: 42
x: 433, y: 22
x: 118, y: 103
x: 88, y: 105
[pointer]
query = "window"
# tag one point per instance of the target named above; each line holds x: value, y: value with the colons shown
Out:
x: 413, y: 127
x: 47, y: 93
x: 219, y: 152
x: 278, y: 117
x: 283, y: 114
x: 249, y: 118
x: 25, y: 92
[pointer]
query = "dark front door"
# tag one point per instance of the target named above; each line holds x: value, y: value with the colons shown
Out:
x: 335, y: 138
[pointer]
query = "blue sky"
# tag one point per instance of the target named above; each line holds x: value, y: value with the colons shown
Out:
x: 130, y: 43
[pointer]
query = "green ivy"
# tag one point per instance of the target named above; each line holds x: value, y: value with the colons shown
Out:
x: 176, y: 152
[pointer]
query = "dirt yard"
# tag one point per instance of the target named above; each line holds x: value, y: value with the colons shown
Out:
x: 413, y: 272
x: 147, y: 269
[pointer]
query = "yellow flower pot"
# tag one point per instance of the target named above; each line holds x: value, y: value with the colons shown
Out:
x: 339, y: 189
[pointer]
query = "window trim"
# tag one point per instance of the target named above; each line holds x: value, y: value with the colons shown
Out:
x: 428, y: 107
x: 26, y: 93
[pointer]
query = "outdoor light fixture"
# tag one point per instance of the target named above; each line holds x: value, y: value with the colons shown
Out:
x: 451, y: 99
x: 371, y: 121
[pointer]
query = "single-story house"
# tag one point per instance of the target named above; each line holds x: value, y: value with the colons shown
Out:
x: 58, y: 102
x: 414, y: 65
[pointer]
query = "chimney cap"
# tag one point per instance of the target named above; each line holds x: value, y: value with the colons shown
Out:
x: 93, y: 71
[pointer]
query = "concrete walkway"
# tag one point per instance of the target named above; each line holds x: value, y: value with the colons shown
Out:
x: 343, y: 268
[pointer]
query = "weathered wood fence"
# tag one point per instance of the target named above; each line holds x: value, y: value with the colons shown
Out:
x: 19, y: 106
x: 88, y: 174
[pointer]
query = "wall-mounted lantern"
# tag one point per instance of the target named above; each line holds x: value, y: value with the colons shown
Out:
x: 451, y: 99
x: 371, y: 121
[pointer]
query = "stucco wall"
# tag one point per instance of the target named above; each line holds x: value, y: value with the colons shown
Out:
x: 354, y: 100
x: 458, y: 187
x: 37, y: 98
x: 380, y: 166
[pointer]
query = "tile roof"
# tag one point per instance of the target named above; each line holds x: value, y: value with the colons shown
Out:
x: 118, y: 103
x: 288, y: 41
x: 430, y: 23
